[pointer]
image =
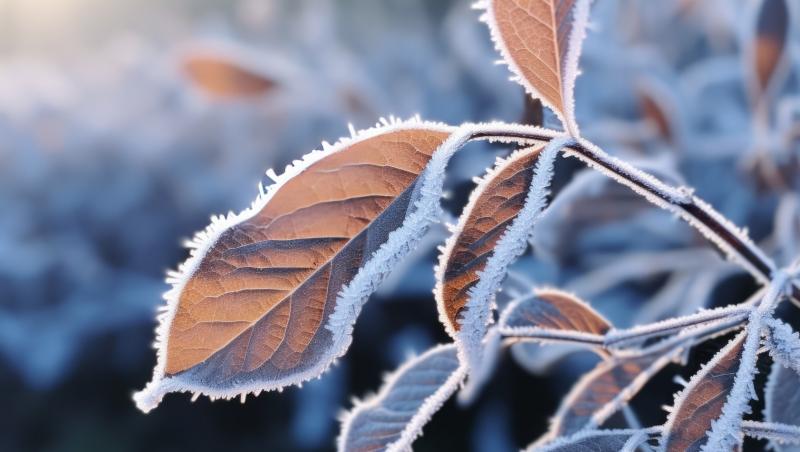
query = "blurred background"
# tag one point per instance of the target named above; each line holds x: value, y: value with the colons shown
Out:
x: 125, y: 124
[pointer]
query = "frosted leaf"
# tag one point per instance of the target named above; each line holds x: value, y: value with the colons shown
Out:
x: 541, y: 43
x: 475, y: 317
x: 783, y: 343
x: 393, y: 418
x: 289, y: 310
x: 701, y: 402
x: 603, y: 391
x: 552, y: 309
x: 596, y: 441
x: 782, y: 399
x: 766, y: 50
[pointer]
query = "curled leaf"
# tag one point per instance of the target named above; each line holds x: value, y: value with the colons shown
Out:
x: 553, y: 309
x: 702, y: 401
x: 491, y: 233
x: 541, y: 43
x: 269, y: 296
x: 393, y: 418
x: 491, y: 209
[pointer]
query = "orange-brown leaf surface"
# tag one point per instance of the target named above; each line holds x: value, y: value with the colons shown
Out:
x: 555, y: 310
x: 534, y: 38
x: 701, y: 402
x: 258, y: 300
x: 224, y: 78
x: 492, y: 208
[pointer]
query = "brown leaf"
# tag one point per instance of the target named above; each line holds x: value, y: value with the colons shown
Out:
x: 701, y: 402
x: 555, y: 310
x: 225, y: 78
x: 536, y: 39
x: 772, y: 26
x: 491, y: 209
x: 603, y: 391
x: 251, y: 308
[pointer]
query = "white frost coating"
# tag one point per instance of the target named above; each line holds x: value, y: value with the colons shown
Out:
x: 569, y: 69
x: 399, y: 243
x: 476, y: 316
x: 725, y: 432
x: 774, y: 431
x: 783, y: 343
x: 492, y: 346
x: 397, y: 414
x: 781, y: 400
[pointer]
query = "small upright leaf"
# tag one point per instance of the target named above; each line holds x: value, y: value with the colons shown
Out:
x: 393, y: 418
x: 553, y: 309
x: 702, y: 401
x: 768, y: 48
x: 224, y: 77
x: 269, y: 296
x: 541, y: 42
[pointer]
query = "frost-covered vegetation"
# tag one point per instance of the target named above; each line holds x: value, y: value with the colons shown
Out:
x: 270, y: 296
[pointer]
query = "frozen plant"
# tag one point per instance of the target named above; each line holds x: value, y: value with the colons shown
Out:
x: 269, y: 296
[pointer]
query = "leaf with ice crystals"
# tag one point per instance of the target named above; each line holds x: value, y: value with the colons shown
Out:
x: 782, y: 400
x: 491, y: 233
x: 551, y: 310
x: 393, y: 418
x: 783, y: 343
x: 783, y: 437
x: 596, y: 441
x: 269, y: 297
x: 701, y: 402
x: 541, y: 43
x: 604, y: 390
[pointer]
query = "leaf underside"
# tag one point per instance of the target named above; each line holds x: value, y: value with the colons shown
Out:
x: 782, y: 399
x: 255, y: 306
x: 417, y: 390
x: 701, y: 402
x: 492, y: 208
x: 594, y: 441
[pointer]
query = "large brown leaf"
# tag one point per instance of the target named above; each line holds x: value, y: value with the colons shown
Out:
x: 223, y: 77
x: 250, y: 311
x: 491, y: 209
x: 540, y: 40
x: 554, y: 309
x: 701, y: 402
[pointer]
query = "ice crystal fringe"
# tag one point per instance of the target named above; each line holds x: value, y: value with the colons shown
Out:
x: 783, y: 343
x: 725, y: 431
x: 578, y: 34
x: 476, y: 316
x: 405, y: 416
x: 350, y: 299
x: 773, y: 431
x: 610, y: 439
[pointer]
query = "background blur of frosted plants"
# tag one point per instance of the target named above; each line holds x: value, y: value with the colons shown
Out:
x: 108, y: 152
